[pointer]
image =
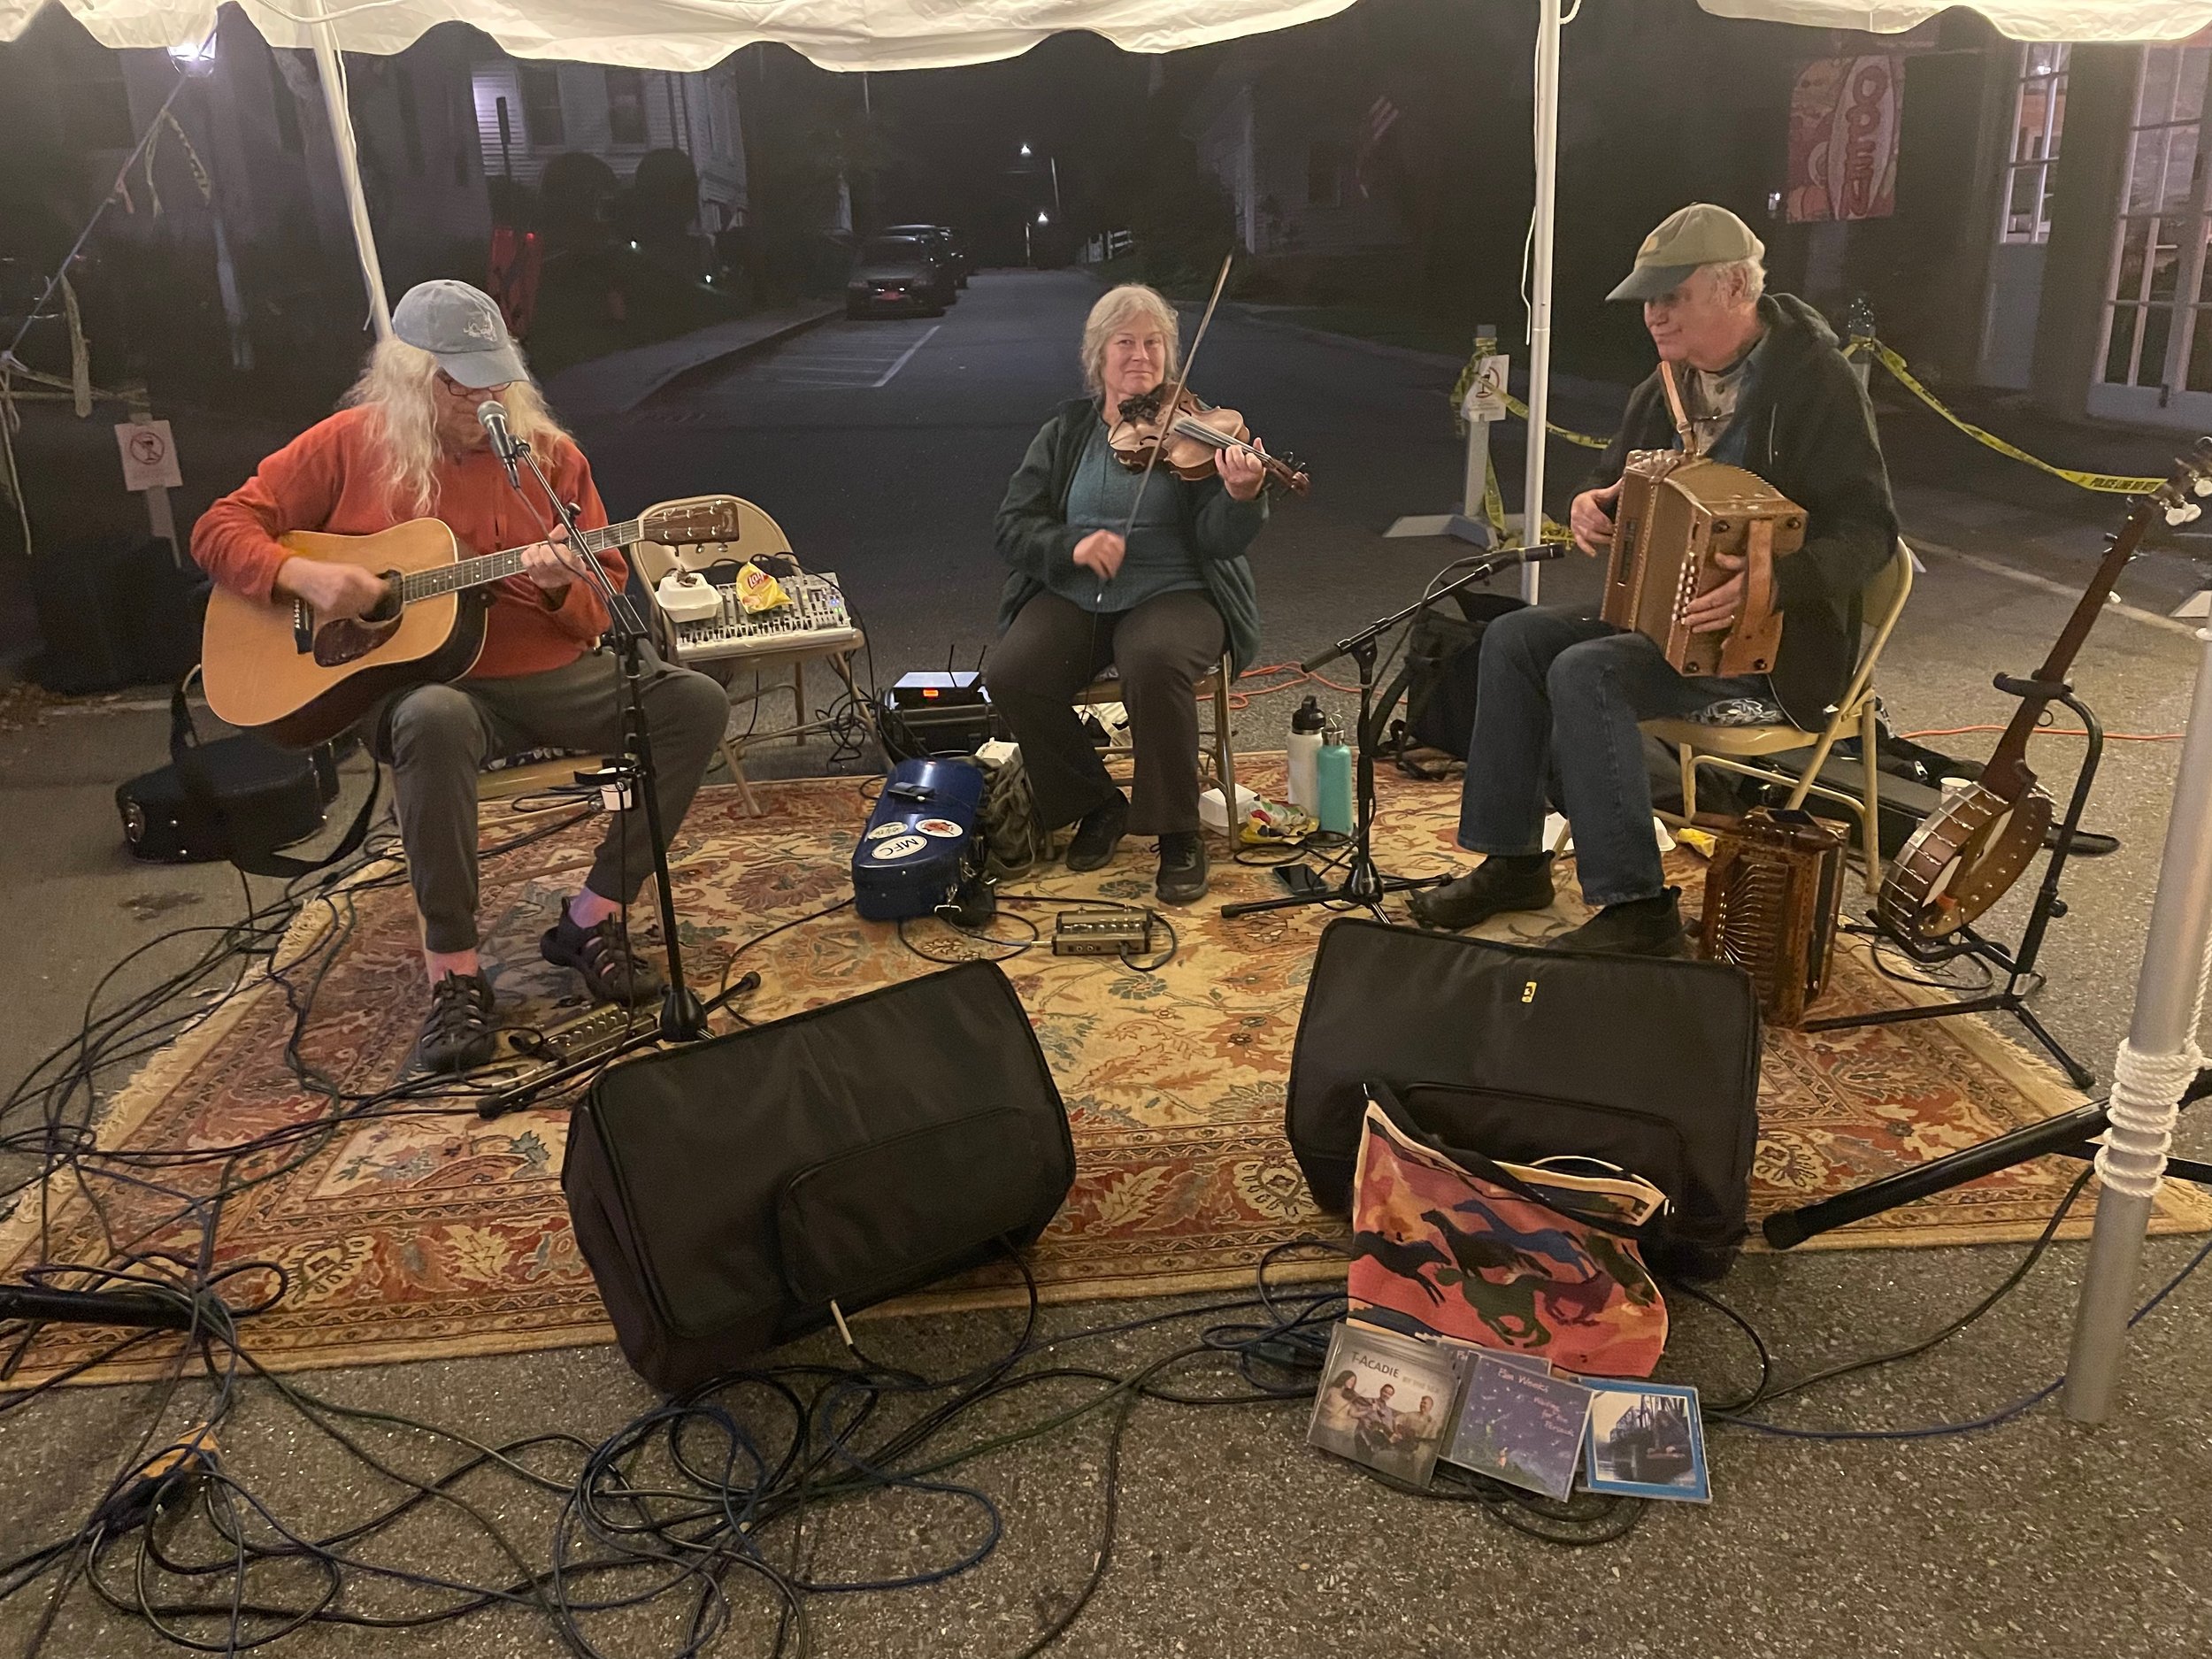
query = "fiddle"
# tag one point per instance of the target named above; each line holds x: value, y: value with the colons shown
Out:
x: 1186, y: 444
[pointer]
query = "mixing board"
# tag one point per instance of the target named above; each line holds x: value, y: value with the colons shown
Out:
x: 815, y: 617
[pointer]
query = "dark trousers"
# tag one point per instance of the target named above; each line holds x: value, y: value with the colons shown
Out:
x: 1162, y: 648
x: 1560, y: 695
x: 436, y: 739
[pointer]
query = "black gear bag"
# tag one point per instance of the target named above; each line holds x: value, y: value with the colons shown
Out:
x: 727, y: 1194
x: 1437, y: 680
x: 1644, y: 1063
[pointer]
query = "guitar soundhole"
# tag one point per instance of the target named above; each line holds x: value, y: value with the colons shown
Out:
x: 387, y: 609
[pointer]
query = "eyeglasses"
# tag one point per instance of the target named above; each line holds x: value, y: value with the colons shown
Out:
x: 452, y: 388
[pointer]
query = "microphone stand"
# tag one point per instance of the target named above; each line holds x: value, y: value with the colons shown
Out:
x: 683, y: 1018
x: 1364, y: 884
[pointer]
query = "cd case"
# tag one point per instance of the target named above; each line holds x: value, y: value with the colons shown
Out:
x: 1521, y: 1426
x: 1647, y: 1441
x: 1386, y: 1401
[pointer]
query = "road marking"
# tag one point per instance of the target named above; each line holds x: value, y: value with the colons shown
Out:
x: 907, y: 353
x: 2150, y: 619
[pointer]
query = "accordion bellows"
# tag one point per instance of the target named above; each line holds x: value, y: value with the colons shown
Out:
x: 1675, y: 515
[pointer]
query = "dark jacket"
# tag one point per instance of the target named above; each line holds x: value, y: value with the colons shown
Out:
x: 1811, y: 435
x: 1034, y: 536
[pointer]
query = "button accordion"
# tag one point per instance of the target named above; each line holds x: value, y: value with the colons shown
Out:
x: 1676, y: 516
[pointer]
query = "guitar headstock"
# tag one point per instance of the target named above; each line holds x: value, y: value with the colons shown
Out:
x: 691, y: 522
x: 2181, y: 496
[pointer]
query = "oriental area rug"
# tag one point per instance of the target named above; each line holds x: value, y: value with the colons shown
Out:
x: 432, y: 1232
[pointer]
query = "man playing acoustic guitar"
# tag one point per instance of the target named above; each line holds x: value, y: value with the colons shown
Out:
x: 1560, y: 692
x: 408, y: 445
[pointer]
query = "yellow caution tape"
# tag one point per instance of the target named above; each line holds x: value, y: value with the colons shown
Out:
x: 2107, y: 483
x: 1494, y: 509
x: 1520, y: 410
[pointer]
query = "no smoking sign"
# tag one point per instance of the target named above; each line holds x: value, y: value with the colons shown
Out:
x: 149, y: 455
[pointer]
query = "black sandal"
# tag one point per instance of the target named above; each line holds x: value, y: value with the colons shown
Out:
x: 457, y: 1034
x: 612, y: 971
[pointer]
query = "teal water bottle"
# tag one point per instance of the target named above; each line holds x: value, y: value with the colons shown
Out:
x: 1332, y: 775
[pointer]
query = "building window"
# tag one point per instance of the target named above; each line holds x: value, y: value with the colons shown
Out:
x: 2159, y: 288
x: 542, y: 106
x: 95, y: 109
x: 2039, y: 116
x: 625, y: 106
x: 1325, y: 168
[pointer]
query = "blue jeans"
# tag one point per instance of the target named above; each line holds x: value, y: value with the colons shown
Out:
x: 1560, y: 696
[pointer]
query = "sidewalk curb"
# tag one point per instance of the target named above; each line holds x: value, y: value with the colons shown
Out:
x: 774, y: 337
x: 583, y: 408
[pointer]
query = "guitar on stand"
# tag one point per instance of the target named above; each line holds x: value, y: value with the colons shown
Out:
x: 1969, y: 854
x: 272, y: 667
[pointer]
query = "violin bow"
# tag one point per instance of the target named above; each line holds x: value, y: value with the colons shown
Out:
x: 1175, y: 397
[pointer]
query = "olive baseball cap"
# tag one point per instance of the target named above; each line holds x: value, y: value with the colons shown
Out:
x: 1698, y: 235
x: 461, y: 326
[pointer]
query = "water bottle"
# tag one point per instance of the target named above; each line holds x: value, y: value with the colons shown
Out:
x: 1305, y: 745
x: 1332, y: 775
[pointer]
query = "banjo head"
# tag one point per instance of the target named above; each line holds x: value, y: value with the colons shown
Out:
x: 1960, y: 862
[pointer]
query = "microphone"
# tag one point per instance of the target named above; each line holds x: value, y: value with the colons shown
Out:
x: 491, y: 414
x: 1478, y: 568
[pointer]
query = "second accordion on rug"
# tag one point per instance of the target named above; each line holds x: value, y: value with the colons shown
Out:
x: 1771, y: 896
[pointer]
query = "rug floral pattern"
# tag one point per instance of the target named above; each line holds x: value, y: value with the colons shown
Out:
x: 434, y: 1232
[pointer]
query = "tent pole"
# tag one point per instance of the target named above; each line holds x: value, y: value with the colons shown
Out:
x: 1546, y: 144
x: 330, y: 69
x: 2156, y: 1063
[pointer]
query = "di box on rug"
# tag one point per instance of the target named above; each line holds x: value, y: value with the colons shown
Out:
x: 1650, y: 1065
x: 724, y: 1193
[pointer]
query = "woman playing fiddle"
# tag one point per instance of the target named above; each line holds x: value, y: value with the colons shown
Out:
x: 1146, y: 572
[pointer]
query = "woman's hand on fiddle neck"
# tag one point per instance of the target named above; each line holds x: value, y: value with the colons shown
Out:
x: 1242, y: 473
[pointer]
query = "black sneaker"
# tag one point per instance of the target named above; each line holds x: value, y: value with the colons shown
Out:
x: 458, y: 1035
x: 1098, y: 833
x: 1496, y: 885
x: 1641, y: 928
x: 1182, y: 868
x: 612, y: 971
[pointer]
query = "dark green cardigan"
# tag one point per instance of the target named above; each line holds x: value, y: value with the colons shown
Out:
x: 1034, y: 536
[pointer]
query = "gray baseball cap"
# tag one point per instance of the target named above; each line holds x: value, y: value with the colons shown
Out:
x: 461, y: 326
x: 1698, y: 235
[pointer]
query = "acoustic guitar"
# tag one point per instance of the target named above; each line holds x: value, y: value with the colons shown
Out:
x: 274, y: 668
x: 1961, y: 860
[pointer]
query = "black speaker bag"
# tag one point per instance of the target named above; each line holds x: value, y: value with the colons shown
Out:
x: 115, y: 611
x: 1649, y: 1064
x: 726, y: 1193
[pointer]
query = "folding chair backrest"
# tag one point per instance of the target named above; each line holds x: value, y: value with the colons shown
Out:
x: 1882, y: 602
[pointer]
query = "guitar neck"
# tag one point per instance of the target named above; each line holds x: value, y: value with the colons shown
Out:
x: 493, y: 567
x: 2010, y: 755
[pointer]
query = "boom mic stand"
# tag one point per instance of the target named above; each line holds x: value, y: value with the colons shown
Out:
x: 1363, y: 883
x: 683, y: 1018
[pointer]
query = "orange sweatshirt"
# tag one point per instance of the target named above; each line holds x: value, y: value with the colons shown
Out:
x: 326, y: 478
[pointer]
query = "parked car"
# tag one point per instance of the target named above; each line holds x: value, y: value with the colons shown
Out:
x: 942, y: 238
x: 897, y: 274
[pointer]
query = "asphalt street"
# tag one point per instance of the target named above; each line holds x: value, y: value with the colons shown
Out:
x: 883, y: 448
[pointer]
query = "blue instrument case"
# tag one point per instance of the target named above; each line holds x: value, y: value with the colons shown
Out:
x: 921, y: 842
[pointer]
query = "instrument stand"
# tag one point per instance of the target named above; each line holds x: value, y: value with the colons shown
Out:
x: 683, y: 1018
x: 2017, y: 966
x: 1364, y: 884
x: 2070, y: 1135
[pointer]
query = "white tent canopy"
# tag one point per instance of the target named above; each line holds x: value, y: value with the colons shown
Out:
x: 883, y: 34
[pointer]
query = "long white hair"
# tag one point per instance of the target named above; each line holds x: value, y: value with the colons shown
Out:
x: 398, y: 386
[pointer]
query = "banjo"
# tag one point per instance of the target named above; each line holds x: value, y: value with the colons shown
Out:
x: 1961, y: 860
